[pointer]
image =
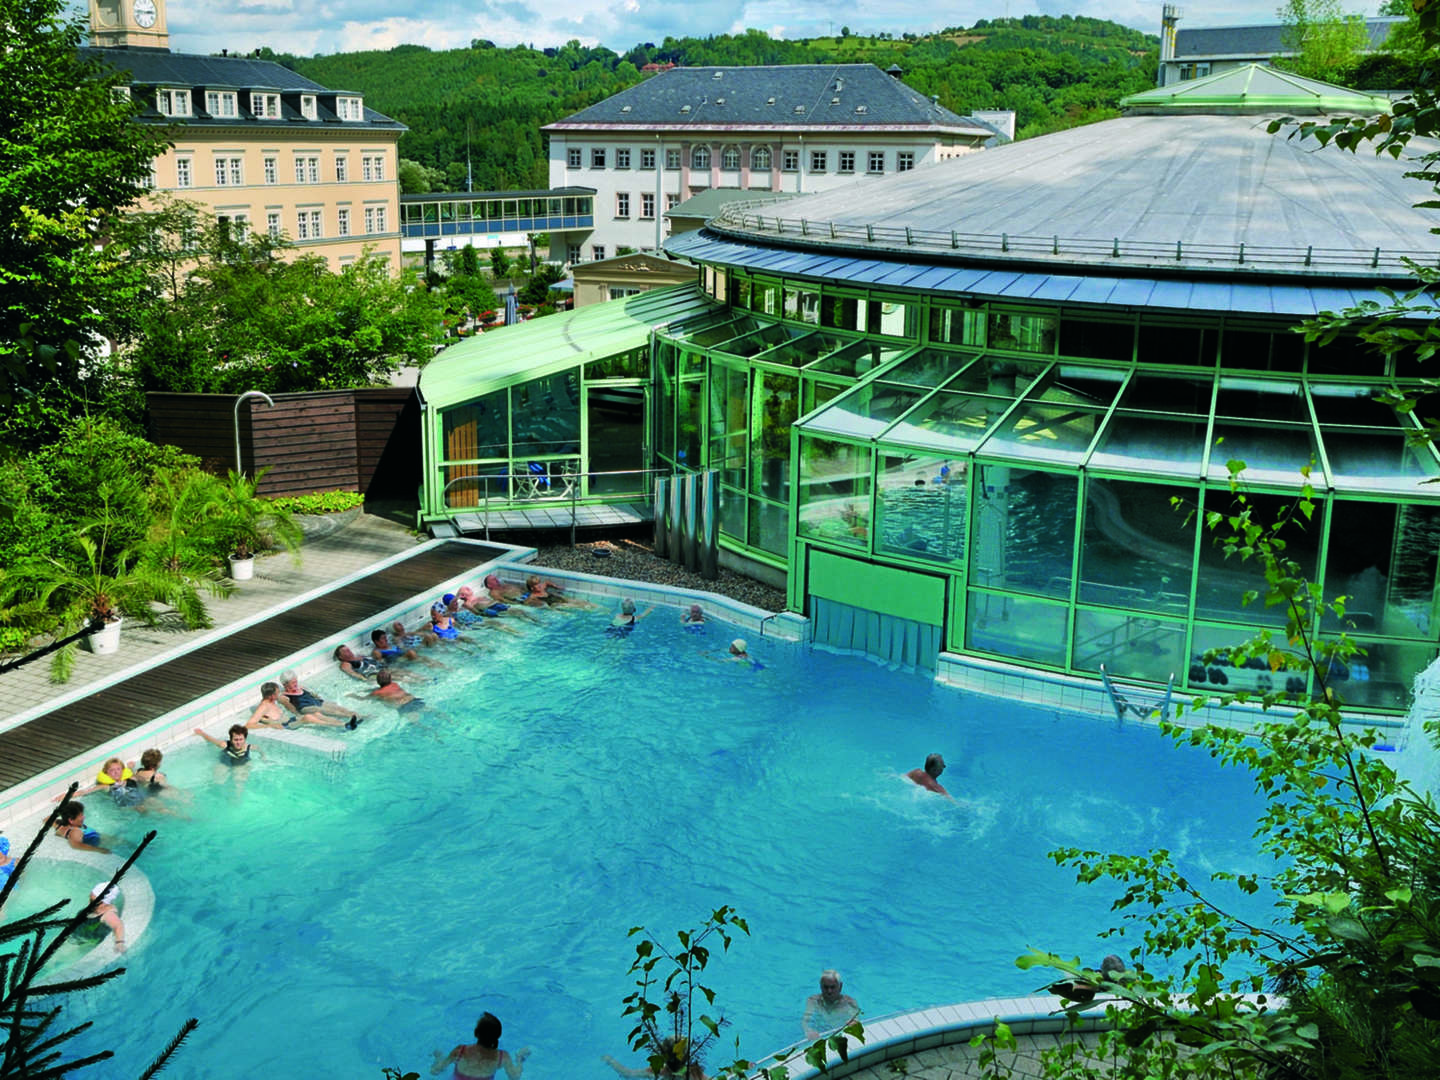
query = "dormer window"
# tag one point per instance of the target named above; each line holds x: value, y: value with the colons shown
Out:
x: 221, y: 103
x: 121, y: 92
x: 308, y: 108
x: 265, y: 106
x: 171, y: 102
x: 350, y: 108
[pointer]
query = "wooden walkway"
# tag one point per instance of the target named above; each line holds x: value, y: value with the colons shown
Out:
x: 66, y: 732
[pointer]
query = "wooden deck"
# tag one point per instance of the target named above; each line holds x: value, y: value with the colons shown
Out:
x: 66, y: 732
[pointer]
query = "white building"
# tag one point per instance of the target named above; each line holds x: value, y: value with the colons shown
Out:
x: 803, y: 128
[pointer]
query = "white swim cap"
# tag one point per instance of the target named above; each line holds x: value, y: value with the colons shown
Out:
x: 106, y: 892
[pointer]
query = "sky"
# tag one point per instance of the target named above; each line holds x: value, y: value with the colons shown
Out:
x: 307, y: 27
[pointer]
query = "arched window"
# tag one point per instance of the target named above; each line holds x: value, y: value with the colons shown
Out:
x: 760, y: 158
x: 730, y: 157
x: 700, y: 158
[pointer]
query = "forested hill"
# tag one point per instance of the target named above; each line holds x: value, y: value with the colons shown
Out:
x: 1055, y: 72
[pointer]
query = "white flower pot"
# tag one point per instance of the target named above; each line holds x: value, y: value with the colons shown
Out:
x: 242, y: 569
x: 106, y: 640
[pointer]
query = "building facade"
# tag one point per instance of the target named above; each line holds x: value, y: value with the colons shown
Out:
x: 802, y: 128
x: 953, y: 416
x: 257, y: 145
x: 1197, y: 52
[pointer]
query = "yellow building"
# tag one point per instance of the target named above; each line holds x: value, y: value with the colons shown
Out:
x: 258, y: 145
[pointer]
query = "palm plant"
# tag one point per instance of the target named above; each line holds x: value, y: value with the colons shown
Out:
x: 94, y: 585
x: 248, y: 523
x: 177, y: 549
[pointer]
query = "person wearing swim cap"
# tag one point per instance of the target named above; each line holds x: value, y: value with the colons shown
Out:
x: 102, y: 916
x: 929, y: 776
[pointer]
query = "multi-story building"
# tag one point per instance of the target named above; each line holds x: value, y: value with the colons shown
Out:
x: 1208, y: 50
x: 802, y: 128
x: 256, y: 144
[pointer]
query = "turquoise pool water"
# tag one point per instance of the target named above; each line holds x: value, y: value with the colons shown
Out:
x: 335, y: 916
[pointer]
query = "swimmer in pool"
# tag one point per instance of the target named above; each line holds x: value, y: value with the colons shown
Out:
x: 270, y: 713
x: 406, y: 640
x: 829, y: 1010
x: 622, y: 624
x: 467, y: 619
x: 929, y: 776
x: 389, y: 692
x: 71, y: 828
x: 693, y: 616
x: 482, y: 1059
x: 101, y: 916
x: 356, y: 666
x: 298, y: 701
x: 501, y: 591
x: 490, y: 606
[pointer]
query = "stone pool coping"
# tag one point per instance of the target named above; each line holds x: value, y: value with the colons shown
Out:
x: 898, y: 1034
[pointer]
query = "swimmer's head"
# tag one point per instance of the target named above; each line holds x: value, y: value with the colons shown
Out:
x: 934, y: 764
x: 269, y: 689
x: 114, y: 768
x: 151, y: 759
x: 492, y: 581
x: 383, y: 677
x: 487, y: 1030
x: 695, y: 611
x: 737, y: 647
x: 1112, y: 965
x: 627, y: 607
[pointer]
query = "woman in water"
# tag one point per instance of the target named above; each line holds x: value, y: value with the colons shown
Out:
x: 484, y: 1058
x: 71, y: 828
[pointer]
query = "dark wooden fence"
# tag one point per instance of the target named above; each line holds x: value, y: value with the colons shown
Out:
x: 342, y: 440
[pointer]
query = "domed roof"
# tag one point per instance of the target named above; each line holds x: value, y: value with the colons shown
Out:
x: 1256, y: 89
x: 1215, y: 193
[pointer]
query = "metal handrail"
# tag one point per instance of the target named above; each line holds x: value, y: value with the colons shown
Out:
x: 1113, y: 251
x: 488, y: 478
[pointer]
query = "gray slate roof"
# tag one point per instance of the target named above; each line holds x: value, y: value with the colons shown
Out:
x: 788, y: 95
x: 149, y: 68
x: 1258, y: 42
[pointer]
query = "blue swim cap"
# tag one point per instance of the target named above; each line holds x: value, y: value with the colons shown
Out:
x: 448, y: 599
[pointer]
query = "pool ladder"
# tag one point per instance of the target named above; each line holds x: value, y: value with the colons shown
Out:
x: 1141, y: 706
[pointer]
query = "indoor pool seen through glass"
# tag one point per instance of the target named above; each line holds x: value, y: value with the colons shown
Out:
x: 341, y: 913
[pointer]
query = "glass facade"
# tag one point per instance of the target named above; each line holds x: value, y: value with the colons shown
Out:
x: 1053, y: 463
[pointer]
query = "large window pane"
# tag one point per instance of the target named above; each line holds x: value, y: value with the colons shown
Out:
x: 729, y: 433
x: 1174, y: 394
x: 1381, y: 679
x: 1225, y: 676
x: 920, y: 507
x: 1017, y: 627
x: 855, y: 360
x: 545, y: 416
x: 769, y: 527
x: 1130, y: 646
x: 1046, y: 432
x: 1262, y: 399
x: 1001, y: 376
x: 1137, y: 442
x: 1363, y: 460
x: 802, y: 303
x: 1138, y: 550
x: 765, y: 298
x: 1221, y: 583
x: 1382, y: 558
x: 480, y: 429
x: 890, y: 318
x: 865, y: 411
x: 1010, y: 332
x: 732, y: 513
x: 1097, y: 340
x: 776, y: 405
x: 834, y: 492
x: 689, y: 422
x: 1353, y: 405
x: 1271, y: 452
x: 957, y: 325
x: 1192, y: 345
x: 928, y: 367
x: 950, y: 423
x: 1023, y: 530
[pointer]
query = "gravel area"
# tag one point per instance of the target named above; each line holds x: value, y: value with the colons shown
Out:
x: 634, y: 561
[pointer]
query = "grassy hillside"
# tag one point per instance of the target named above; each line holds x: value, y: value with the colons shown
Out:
x: 1054, y: 72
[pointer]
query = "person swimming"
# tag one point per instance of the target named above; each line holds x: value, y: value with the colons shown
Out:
x: 693, y: 619
x: 71, y: 828
x: 484, y: 1058
x: 623, y: 624
x: 738, y: 652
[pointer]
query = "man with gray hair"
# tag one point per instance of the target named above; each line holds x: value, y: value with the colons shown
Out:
x: 269, y: 713
x: 830, y: 1009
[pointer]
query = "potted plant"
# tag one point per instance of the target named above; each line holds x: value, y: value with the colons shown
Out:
x: 93, y: 587
x: 248, y: 524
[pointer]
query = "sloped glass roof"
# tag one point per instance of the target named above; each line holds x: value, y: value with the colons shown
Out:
x: 1256, y: 88
x: 1116, y: 419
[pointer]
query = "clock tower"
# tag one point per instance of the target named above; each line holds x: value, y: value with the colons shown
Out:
x: 128, y: 23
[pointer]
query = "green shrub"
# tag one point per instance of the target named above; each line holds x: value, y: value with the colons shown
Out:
x: 319, y: 502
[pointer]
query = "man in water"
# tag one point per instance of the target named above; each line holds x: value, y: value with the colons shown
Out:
x: 830, y: 1009
x: 270, y: 714
x: 929, y: 776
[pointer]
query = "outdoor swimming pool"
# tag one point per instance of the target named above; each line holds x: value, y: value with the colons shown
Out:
x: 338, y: 915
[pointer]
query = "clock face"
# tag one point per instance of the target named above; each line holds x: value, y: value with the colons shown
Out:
x: 145, y: 13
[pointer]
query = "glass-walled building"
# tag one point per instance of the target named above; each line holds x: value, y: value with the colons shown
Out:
x: 984, y: 412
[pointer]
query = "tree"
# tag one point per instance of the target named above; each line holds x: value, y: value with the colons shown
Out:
x: 230, y: 312
x: 71, y: 158
x: 1327, y: 42
x: 500, y: 265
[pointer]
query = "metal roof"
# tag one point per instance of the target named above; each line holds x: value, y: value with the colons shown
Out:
x: 784, y: 96
x: 711, y: 201
x: 1256, y: 88
x: 1258, y: 42
x: 1181, y: 195
x: 160, y: 67
x: 472, y: 368
x: 1300, y: 299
